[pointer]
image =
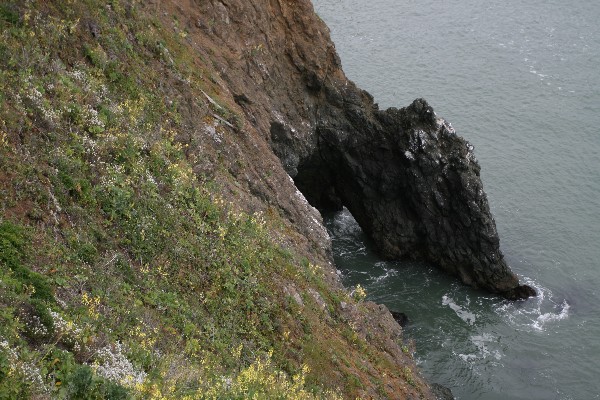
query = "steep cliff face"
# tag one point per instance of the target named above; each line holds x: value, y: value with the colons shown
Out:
x: 411, y: 182
x: 151, y: 159
x: 152, y: 245
x: 268, y: 59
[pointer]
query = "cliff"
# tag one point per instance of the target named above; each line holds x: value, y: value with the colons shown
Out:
x: 156, y: 238
x: 152, y: 244
x: 411, y: 182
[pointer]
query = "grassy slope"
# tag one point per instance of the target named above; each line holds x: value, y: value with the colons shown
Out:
x: 123, y: 274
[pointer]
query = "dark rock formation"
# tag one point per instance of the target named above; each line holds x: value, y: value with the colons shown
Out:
x: 400, y: 318
x: 441, y: 392
x: 520, y: 292
x: 411, y: 183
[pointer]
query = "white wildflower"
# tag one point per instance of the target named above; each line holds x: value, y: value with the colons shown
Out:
x: 10, y: 352
x: 150, y: 178
x: 90, y: 145
x: 37, y: 98
x: 78, y: 75
x: 92, y: 117
x: 117, y: 368
x: 36, y: 327
x: 31, y: 373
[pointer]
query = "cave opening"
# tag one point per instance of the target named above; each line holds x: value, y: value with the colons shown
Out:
x: 318, y: 185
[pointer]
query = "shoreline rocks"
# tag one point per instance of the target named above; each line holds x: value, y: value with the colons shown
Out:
x: 441, y: 392
x: 409, y: 180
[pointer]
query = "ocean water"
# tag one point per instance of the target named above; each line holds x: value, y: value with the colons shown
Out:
x: 521, y: 81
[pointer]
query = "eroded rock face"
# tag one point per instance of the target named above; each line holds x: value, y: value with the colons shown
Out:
x: 412, y: 184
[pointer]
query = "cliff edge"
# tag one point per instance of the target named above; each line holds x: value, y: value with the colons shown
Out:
x: 160, y: 165
x: 152, y: 245
x: 411, y: 183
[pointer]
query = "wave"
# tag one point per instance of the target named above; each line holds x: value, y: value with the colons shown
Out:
x: 550, y: 317
x: 535, y: 313
x: 343, y: 224
x: 483, y: 351
x: 387, y: 273
x: 464, y: 314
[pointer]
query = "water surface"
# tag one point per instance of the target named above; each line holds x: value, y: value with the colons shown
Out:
x: 520, y: 81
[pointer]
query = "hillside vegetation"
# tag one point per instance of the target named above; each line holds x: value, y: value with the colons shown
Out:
x: 125, y: 270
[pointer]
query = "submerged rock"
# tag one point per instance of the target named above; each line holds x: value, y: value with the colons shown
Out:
x: 441, y: 392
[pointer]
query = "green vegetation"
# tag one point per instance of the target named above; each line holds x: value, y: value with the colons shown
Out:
x: 124, y: 274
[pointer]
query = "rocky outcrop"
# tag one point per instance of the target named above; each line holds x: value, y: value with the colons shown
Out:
x: 412, y: 184
x: 441, y: 392
x: 409, y: 180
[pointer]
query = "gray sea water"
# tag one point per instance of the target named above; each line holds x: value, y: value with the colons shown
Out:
x: 521, y: 81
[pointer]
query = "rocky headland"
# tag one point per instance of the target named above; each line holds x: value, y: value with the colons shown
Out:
x: 410, y: 181
x: 163, y: 164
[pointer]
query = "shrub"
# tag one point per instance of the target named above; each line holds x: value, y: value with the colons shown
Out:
x: 12, y: 243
